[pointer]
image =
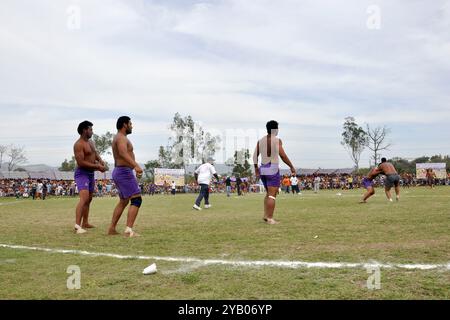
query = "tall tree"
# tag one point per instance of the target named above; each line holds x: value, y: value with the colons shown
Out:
x: 190, y: 142
x: 68, y: 165
x: 16, y: 156
x: 242, y: 166
x: 103, y: 144
x: 376, y: 141
x: 165, y: 157
x: 3, y: 150
x: 206, y: 145
x: 354, y: 139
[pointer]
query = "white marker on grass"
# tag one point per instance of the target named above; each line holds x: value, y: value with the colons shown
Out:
x: 150, y: 269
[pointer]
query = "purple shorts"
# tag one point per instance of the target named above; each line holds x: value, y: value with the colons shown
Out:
x: 367, y: 183
x: 85, y: 180
x: 126, y: 182
x: 270, y: 175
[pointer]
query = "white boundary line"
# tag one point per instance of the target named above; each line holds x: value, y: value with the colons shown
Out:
x: 11, y: 202
x: 237, y: 263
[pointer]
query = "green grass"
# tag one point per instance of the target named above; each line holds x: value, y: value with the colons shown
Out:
x: 415, y: 230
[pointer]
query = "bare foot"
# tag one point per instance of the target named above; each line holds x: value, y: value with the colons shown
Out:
x: 88, y: 226
x: 362, y: 201
x: 113, y: 232
x: 271, y: 221
x: 132, y: 234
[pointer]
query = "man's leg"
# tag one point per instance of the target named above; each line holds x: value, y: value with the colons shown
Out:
x: 133, y: 211
x: 370, y: 192
x: 85, y: 222
x: 397, y: 191
x: 270, y: 204
x: 84, y: 200
x: 200, y: 196
x: 207, y: 195
x: 388, y: 192
x: 116, y: 215
x: 265, y: 206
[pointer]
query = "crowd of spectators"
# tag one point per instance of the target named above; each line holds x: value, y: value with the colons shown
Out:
x: 41, y: 189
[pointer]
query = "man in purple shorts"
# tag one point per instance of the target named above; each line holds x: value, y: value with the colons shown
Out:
x: 271, y: 149
x: 88, y: 161
x: 367, y: 183
x: 124, y: 178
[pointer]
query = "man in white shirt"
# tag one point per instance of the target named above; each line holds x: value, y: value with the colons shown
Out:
x: 317, y: 181
x: 203, y: 175
x: 39, y: 189
x: 174, y: 188
x: 294, y: 184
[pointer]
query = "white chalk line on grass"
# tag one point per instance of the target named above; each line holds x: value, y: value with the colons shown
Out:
x: 243, y: 263
x: 9, y: 203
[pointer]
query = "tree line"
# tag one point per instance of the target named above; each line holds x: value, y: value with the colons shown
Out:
x: 355, y: 139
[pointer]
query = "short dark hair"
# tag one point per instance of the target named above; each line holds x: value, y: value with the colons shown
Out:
x: 383, y: 160
x: 83, y: 126
x: 121, y: 121
x: 271, y: 125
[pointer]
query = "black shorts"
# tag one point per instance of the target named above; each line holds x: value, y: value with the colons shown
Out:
x: 392, y: 180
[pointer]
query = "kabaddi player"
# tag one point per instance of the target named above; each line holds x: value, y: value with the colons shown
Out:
x: 271, y: 149
x: 88, y: 161
x: 392, y: 178
x: 124, y: 178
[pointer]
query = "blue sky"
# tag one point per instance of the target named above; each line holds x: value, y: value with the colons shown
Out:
x: 232, y: 65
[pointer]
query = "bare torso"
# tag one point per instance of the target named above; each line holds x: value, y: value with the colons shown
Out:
x: 387, y: 168
x: 119, y: 161
x: 88, y: 150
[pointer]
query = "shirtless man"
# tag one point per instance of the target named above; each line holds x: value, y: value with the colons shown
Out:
x: 88, y: 161
x: 392, y: 179
x: 270, y: 148
x: 124, y: 179
x: 431, y: 176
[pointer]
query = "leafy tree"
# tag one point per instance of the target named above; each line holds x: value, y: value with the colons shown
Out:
x: 242, y: 166
x: 68, y: 165
x: 354, y: 139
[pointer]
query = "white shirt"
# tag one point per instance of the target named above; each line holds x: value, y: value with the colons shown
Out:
x: 294, y: 181
x: 205, y: 173
x: 174, y: 186
x: 317, y: 180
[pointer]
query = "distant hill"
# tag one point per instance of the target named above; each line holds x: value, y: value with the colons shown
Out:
x: 30, y: 167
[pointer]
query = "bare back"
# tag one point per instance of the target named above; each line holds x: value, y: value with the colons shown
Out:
x: 387, y: 168
x: 269, y: 148
x: 120, y: 146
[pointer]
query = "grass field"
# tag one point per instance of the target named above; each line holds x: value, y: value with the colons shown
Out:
x: 313, y: 228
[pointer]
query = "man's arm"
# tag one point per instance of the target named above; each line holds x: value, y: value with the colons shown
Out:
x: 81, y: 162
x: 255, y: 160
x: 285, y: 158
x: 123, y: 153
x: 196, y: 172
x: 97, y: 155
x: 214, y: 172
